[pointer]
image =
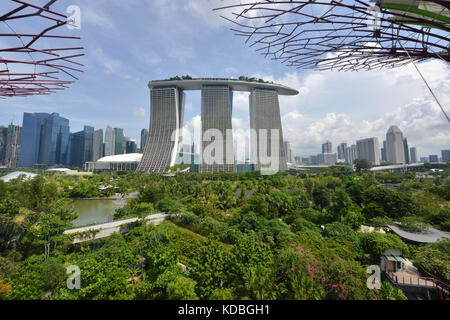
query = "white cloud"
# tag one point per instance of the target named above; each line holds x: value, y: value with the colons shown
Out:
x: 139, y: 113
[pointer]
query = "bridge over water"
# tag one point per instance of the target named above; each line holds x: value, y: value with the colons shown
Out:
x: 103, y: 230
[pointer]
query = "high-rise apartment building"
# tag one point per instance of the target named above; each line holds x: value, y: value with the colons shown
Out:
x: 395, y: 152
x: 327, y: 147
x: 368, y: 149
x: 445, y: 155
x: 288, y: 150
x: 12, y: 146
x: 341, y: 151
x: 413, y: 153
x: 433, y: 158
x: 327, y: 159
x: 351, y: 154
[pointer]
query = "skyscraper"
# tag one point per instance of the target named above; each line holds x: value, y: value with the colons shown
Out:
x: 119, y: 141
x: 3, y: 140
x: 288, y: 150
x: 44, y: 139
x: 445, y: 155
x: 413, y: 152
x: 110, y: 142
x: 76, y: 143
x: 368, y: 149
x: 31, y: 138
x: 82, y: 146
x: 405, y: 145
x: 395, y: 152
x: 351, y: 154
x: 98, y: 145
x: 217, y: 106
x: 327, y: 147
x: 166, y: 118
x: 88, y: 143
x: 144, y: 137
x: 383, y: 152
x: 265, y: 115
x: 341, y: 151
x: 54, y: 140
x: 12, y: 145
x: 434, y: 158
x: 131, y: 146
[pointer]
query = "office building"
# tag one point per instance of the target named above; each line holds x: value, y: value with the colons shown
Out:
x: 327, y: 147
x: 3, y: 140
x: 395, y: 150
x: 119, y: 141
x: 54, y: 142
x: 445, y: 155
x: 368, y: 149
x: 413, y: 153
x: 131, y: 146
x: 12, y: 146
x: 144, y: 137
x: 82, y: 146
x: 383, y: 152
x: 98, y: 145
x: 341, y: 151
x: 110, y: 142
x: 406, y: 147
x: 288, y: 150
x: 44, y: 140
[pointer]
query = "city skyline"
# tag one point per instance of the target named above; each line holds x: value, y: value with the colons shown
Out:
x: 331, y: 105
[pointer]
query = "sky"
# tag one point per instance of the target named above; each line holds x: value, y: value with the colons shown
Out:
x: 128, y: 43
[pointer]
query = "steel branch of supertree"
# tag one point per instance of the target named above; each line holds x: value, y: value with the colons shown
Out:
x: 26, y: 69
x: 344, y: 35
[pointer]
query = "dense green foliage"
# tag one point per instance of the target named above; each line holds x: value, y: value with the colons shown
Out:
x: 230, y: 236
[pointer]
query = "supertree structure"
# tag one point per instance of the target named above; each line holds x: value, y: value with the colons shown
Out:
x: 34, y: 60
x: 344, y: 35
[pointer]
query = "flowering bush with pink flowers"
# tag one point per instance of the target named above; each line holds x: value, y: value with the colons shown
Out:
x: 339, y: 278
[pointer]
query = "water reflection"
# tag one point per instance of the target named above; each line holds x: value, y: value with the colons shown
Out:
x: 95, y: 211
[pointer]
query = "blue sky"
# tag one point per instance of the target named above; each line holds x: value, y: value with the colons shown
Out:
x: 127, y: 43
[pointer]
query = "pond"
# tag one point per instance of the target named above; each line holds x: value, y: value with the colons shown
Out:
x: 95, y: 211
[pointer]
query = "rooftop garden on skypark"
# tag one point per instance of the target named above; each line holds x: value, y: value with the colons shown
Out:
x: 241, y: 78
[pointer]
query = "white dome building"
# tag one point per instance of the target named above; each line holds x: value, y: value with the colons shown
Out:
x: 119, y: 162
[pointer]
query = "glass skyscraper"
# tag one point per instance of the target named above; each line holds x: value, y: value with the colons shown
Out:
x: 3, y: 140
x: 44, y: 139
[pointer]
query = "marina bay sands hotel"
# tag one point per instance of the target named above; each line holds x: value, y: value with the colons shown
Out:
x: 166, y: 121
